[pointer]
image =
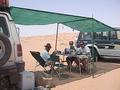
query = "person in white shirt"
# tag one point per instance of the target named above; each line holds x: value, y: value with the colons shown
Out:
x: 84, y: 49
x: 49, y: 59
x: 45, y: 54
x: 83, y: 52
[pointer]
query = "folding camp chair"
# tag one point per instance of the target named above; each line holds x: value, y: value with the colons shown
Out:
x: 41, y: 62
x: 87, y: 67
x: 39, y: 59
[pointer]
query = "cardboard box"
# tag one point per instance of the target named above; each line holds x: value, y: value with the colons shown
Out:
x: 43, y: 79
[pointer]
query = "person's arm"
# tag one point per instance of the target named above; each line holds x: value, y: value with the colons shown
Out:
x: 87, y: 51
x: 55, y: 52
x: 78, y: 51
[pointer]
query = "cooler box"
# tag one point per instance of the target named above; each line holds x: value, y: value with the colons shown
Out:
x: 27, y: 80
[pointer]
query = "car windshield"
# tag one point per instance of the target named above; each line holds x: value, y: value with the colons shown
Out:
x: 99, y: 35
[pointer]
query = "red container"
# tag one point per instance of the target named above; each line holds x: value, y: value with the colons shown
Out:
x: 4, y: 3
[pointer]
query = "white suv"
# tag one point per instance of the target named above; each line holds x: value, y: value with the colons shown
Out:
x: 11, y: 62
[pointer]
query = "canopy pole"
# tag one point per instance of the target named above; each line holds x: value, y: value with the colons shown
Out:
x: 94, y: 67
x: 56, y: 36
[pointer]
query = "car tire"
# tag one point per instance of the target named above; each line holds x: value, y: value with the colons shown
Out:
x: 5, y: 49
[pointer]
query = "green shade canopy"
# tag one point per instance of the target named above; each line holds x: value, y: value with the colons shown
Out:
x: 25, y: 16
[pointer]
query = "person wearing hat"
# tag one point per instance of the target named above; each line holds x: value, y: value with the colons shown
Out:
x: 45, y: 54
x: 49, y: 58
x: 84, y: 48
x: 84, y: 52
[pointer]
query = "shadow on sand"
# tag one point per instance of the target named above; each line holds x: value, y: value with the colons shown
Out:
x: 101, y: 69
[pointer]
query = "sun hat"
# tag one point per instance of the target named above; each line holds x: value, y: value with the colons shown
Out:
x: 48, y: 45
x: 81, y: 43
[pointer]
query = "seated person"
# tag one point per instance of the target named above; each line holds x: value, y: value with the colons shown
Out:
x: 49, y: 59
x: 84, y: 52
x: 71, y: 54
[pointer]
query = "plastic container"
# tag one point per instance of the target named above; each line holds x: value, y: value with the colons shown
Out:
x: 27, y: 80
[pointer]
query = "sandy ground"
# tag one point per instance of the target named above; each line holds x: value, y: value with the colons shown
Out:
x: 109, y: 81
x: 107, y: 76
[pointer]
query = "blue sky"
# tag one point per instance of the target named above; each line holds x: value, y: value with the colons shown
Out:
x: 106, y: 11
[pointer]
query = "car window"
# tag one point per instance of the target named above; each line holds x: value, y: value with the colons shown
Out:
x: 3, y: 26
x: 113, y: 35
x: 1, y: 30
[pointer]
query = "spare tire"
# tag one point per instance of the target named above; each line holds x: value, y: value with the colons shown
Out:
x: 5, y: 49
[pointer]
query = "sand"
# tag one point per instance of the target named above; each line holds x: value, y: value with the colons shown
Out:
x: 107, y: 76
x: 108, y: 81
